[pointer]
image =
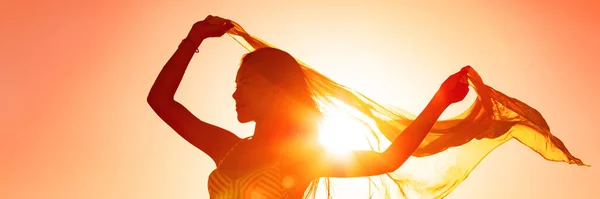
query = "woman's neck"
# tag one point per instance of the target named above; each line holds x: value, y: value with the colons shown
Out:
x: 272, y: 130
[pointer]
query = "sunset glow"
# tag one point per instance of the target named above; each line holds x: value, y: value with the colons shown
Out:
x: 75, y: 75
x: 340, y: 135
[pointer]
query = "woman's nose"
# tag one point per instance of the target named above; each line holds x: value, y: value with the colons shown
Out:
x: 235, y: 94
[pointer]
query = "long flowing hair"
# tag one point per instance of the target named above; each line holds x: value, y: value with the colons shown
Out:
x: 452, y: 148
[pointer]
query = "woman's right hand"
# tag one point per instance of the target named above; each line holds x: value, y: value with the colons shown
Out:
x: 212, y: 26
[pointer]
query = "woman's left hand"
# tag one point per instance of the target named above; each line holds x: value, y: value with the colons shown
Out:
x: 455, y: 88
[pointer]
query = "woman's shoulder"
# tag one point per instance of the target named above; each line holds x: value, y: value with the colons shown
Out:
x: 303, y: 152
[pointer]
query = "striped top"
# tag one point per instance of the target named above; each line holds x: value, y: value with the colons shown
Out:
x: 264, y: 183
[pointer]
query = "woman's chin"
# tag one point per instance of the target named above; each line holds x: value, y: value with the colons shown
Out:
x: 242, y: 119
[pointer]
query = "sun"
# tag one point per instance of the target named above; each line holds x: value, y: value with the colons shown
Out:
x: 340, y: 134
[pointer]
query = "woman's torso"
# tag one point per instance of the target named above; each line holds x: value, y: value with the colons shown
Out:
x: 253, y: 170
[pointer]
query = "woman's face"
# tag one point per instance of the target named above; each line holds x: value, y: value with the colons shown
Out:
x: 254, y: 95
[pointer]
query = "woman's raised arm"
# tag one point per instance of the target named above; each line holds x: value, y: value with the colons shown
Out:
x: 370, y: 163
x: 212, y: 140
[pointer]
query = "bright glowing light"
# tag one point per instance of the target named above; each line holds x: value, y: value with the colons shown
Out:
x: 340, y: 134
x: 336, y: 135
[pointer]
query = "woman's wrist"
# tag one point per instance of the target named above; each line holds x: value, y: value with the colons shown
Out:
x: 195, y: 38
x: 440, y: 101
x: 190, y: 43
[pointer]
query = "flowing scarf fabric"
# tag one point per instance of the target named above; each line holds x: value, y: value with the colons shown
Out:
x: 453, y: 147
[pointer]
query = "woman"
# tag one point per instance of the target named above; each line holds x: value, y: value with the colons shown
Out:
x: 283, y: 158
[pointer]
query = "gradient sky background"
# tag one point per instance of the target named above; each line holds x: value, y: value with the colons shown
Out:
x: 74, y: 76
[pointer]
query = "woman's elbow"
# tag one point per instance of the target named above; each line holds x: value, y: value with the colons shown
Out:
x: 392, y: 166
x: 155, y: 100
x: 393, y: 162
x: 152, y: 99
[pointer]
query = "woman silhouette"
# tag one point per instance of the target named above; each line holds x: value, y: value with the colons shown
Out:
x: 283, y: 156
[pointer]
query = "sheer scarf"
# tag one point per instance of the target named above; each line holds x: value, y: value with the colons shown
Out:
x: 451, y: 150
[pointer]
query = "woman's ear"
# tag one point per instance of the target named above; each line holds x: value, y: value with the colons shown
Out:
x: 275, y: 95
x: 277, y: 91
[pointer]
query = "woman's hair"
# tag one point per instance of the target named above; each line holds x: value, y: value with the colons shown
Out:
x: 280, y: 68
x: 447, y: 155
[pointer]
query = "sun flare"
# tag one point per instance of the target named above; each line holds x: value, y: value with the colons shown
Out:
x: 336, y: 135
x: 340, y: 134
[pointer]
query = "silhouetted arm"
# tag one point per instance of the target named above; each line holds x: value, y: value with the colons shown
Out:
x: 369, y: 163
x: 212, y: 140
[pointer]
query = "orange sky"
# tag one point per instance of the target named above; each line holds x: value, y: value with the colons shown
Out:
x: 74, y: 121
